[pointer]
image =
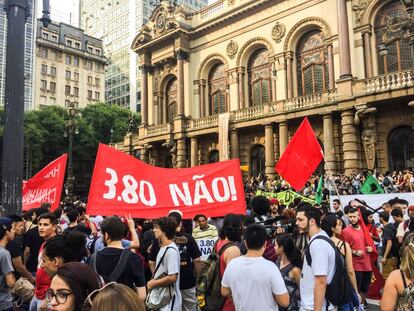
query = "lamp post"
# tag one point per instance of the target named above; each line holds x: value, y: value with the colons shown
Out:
x: 13, y: 138
x: 70, y: 130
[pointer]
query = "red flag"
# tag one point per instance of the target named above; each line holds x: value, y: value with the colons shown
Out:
x: 45, y: 186
x: 301, y: 157
x: 123, y: 185
x: 377, y: 281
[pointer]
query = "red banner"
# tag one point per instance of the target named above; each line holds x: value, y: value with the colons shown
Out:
x: 45, y: 186
x: 122, y: 185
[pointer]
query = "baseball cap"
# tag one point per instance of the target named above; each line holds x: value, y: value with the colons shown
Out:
x: 274, y: 201
x: 5, y: 223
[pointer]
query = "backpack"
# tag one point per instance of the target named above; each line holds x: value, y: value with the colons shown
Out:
x: 339, y: 291
x: 119, y: 269
x: 208, y: 284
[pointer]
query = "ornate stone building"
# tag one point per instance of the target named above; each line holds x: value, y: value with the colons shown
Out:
x: 269, y: 63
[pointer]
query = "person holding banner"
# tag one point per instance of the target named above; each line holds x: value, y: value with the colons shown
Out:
x: 205, y: 235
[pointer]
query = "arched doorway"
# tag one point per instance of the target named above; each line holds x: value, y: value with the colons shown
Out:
x: 401, y: 148
x: 213, y: 157
x: 257, y: 161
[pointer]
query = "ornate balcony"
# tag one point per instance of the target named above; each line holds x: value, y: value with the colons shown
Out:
x: 388, y: 82
x: 155, y: 130
x: 302, y: 102
x: 206, y: 122
x: 249, y: 113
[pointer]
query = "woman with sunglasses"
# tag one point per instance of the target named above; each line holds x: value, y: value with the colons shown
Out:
x: 71, y: 286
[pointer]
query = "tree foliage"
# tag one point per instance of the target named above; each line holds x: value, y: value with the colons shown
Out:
x: 44, y: 138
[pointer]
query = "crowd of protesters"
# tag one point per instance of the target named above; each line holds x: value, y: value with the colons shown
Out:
x: 391, y: 182
x: 275, y: 257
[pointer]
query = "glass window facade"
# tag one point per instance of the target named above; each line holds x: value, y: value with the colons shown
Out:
x: 117, y: 23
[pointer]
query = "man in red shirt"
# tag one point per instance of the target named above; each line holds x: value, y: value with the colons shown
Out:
x: 47, y: 229
x: 361, y: 259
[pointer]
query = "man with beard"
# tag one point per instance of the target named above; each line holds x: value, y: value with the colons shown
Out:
x: 354, y: 236
x: 320, y: 272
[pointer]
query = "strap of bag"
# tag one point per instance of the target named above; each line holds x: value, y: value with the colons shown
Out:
x: 307, y: 249
x: 93, y: 261
x: 120, y: 267
x: 162, y: 258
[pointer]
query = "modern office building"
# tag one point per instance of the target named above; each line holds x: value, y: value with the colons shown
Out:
x: 265, y: 65
x: 117, y: 22
x: 70, y: 67
x: 28, y: 56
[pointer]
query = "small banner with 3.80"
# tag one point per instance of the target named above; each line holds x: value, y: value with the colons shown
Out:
x: 122, y: 185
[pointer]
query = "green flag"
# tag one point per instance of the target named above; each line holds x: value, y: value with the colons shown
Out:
x: 318, y: 196
x: 371, y: 186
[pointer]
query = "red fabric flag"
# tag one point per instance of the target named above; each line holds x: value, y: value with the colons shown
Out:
x: 377, y: 281
x: 301, y: 157
x: 45, y: 186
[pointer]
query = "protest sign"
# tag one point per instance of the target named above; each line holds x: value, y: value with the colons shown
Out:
x: 206, y: 246
x: 45, y: 186
x: 123, y: 185
x: 285, y: 197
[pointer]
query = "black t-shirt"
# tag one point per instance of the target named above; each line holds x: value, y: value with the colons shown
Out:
x: 15, y: 251
x: 188, y: 252
x: 389, y: 233
x: 81, y: 228
x: 133, y: 275
x: 33, y: 240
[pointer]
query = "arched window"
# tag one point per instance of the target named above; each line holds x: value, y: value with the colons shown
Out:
x: 217, y: 89
x: 391, y: 37
x: 171, y: 100
x: 257, y: 161
x: 312, y: 64
x: 401, y: 148
x: 213, y: 157
x: 259, y: 71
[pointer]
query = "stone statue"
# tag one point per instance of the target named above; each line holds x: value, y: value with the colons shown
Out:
x: 171, y: 145
x: 132, y: 127
x: 369, y: 139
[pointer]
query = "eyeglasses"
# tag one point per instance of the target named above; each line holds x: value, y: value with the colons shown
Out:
x: 89, y: 299
x: 60, y: 296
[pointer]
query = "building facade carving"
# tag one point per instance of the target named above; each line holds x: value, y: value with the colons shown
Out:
x: 217, y: 60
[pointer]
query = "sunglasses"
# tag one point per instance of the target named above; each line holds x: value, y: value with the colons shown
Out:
x: 61, y: 296
x: 91, y: 296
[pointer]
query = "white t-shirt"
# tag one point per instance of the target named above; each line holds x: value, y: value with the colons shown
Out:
x: 170, y: 265
x: 253, y: 281
x: 323, y: 263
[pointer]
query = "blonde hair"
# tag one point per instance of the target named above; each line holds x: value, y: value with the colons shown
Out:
x: 119, y: 297
x: 407, y: 256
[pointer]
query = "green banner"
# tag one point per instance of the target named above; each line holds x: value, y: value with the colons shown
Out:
x: 285, y: 197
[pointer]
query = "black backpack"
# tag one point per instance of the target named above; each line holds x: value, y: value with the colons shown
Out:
x: 119, y: 269
x: 339, y: 291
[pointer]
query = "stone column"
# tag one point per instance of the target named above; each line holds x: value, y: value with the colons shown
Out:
x: 194, y: 151
x: 181, y: 56
x: 160, y: 103
x: 283, y: 136
x: 241, y: 88
x: 366, y: 36
x: 269, y: 152
x: 331, y: 67
x: 164, y: 110
x: 344, y: 48
x: 234, y: 144
x: 202, y: 98
x: 328, y: 142
x: 181, y: 153
x: 144, y: 94
x: 289, y: 76
x: 349, y: 141
x: 273, y: 81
